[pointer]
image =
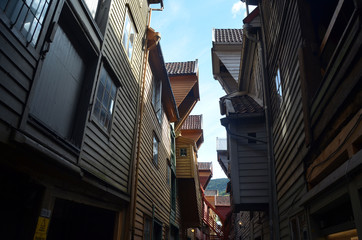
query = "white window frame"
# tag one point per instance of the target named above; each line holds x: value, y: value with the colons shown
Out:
x: 106, y: 88
x: 128, y: 35
x: 157, y: 98
x: 155, y: 147
x: 278, y: 83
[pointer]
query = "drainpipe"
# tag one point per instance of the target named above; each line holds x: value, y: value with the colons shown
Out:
x: 273, y: 206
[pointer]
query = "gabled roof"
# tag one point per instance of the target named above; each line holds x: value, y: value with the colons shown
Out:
x: 192, y: 128
x: 182, y: 68
x: 251, y: 16
x: 184, y: 78
x: 227, y: 35
x: 239, y: 103
x: 225, y: 54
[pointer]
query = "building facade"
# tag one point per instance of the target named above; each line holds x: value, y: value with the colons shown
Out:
x: 71, y: 74
x: 305, y: 58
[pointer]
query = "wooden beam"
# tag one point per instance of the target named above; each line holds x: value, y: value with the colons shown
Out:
x: 336, y: 152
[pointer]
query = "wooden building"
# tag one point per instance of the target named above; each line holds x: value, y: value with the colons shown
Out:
x: 156, y: 211
x: 188, y: 143
x: 184, y: 77
x: 71, y: 74
x: 307, y: 55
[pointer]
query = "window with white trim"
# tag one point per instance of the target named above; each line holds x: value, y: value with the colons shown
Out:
x: 156, y: 97
x: 129, y: 34
x: 155, y: 149
x: 106, y: 96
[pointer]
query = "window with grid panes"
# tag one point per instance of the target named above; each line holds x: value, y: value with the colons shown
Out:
x: 27, y: 16
x: 106, y: 96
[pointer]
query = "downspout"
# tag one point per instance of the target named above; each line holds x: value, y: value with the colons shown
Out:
x: 273, y: 207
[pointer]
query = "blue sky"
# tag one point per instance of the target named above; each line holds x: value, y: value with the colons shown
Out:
x: 186, y: 34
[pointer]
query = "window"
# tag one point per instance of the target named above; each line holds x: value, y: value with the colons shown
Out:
x: 183, y: 152
x: 129, y: 35
x: 173, y: 190
x: 157, y: 230
x: 106, y: 95
x: 173, y: 151
x: 147, y: 228
x: 27, y: 16
x: 156, y: 98
x: 99, y: 9
x: 278, y: 84
x: 168, y: 173
x: 155, y: 150
x: 92, y: 6
x: 298, y: 227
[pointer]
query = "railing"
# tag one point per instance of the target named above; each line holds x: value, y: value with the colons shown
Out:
x: 208, y: 218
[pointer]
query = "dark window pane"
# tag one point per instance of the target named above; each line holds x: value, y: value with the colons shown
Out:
x: 103, y: 116
x: 97, y: 109
x: 100, y: 92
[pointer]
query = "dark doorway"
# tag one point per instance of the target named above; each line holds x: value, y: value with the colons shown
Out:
x: 20, y: 199
x: 71, y: 220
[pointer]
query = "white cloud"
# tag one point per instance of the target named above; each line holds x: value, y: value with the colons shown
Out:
x: 238, y: 9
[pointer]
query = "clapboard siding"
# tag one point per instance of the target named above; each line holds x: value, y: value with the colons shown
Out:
x: 115, y: 149
x: 283, y: 40
x: 153, y: 188
x: 17, y: 67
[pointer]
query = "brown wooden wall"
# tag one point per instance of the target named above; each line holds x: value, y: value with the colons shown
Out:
x: 109, y: 156
x: 153, y: 188
x: 282, y: 40
x: 106, y: 155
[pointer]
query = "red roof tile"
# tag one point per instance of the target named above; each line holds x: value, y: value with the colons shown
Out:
x: 182, y: 68
x: 204, y: 165
x: 193, y: 122
x: 242, y: 104
x: 222, y: 201
x: 228, y: 35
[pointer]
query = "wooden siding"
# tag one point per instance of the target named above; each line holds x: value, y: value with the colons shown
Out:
x: 153, y: 189
x: 109, y: 155
x: 181, y: 86
x: 185, y: 165
x: 231, y: 60
x: 249, y: 166
x: 283, y: 39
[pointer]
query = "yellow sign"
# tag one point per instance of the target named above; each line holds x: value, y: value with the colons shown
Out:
x: 41, y: 229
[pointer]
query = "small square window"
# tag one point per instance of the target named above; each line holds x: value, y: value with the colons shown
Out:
x: 106, y: 96
x: 129, y: 35
x: 183, y: 152
x: 155, y: 149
